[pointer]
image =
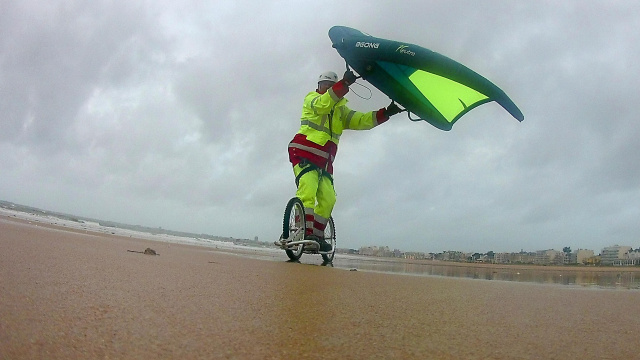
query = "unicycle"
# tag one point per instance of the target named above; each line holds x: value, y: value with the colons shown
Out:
x: 294, y: 227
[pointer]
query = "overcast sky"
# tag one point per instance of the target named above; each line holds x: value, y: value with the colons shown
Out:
x: 178, y: 114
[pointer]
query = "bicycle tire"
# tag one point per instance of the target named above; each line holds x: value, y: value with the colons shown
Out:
x: 330, y: 237
x: 293, y: 222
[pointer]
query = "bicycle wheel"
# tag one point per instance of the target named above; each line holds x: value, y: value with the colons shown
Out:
x: 294, y: 227
x: 330, y: 237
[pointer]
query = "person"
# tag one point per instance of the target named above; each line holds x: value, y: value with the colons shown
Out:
x: 313, y: 149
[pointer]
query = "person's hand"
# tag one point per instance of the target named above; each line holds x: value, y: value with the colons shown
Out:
x: 392, y: 109
x: 349, y: 77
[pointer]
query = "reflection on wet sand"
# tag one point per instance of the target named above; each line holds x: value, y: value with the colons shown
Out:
x: 624, y: 279
x: 605, y: 277
x: 610, y: 278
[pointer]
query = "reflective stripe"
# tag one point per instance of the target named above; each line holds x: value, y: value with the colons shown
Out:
x: 348, y: 120
x: 375, y: 118
x: 325, y: 117
x: 309, y: 217
x: 333, y: 95
x: 315, y: 126
x: 320, y: 223
x: 313, y: 103
x: 322, y: 220
x: 312, y: 150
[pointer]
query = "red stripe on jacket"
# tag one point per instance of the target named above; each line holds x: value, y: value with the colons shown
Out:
x: 298, y: 155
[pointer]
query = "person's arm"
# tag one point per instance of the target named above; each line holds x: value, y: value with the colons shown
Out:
x: 341, y: 88
x: 364, y: 121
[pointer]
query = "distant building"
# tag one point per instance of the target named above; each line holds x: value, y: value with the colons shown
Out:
x: 592, y: 261
x: 630, y: 258
x: 452, y: 256
x: 416, y: 255
x: 634, y: 254
x: 368, y: 250
x: 502, y: 258
x: 379, y: 251
x: 612, y: 253
x: 549, y: 257
x: 580, y: 256
x: 521, y: 257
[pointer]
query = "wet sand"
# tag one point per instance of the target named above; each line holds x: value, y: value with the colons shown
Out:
x: 73, y: 294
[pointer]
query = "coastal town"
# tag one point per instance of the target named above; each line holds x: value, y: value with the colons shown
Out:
x: 615, y: 255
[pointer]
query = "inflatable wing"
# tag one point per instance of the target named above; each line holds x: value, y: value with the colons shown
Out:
x: 432, y: 86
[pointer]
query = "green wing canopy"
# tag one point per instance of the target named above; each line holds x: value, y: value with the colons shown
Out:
x: 449, y: 98
x: 429, y: 85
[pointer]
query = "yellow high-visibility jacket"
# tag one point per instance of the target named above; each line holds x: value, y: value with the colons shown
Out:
x: 324, y: 117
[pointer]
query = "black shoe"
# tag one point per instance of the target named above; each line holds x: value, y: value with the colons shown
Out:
x: 324, y: 245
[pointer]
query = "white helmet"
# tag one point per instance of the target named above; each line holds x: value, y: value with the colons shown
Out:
x: 328, y: 76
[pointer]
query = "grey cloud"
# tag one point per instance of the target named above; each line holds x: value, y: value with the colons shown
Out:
x: 179, y: 114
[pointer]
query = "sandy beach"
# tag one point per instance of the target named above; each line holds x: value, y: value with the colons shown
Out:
x: 74, y: 294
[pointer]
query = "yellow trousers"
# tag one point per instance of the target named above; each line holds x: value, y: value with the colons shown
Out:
x: 318, y: 196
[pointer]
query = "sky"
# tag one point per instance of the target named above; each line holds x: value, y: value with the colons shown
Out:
x: 178, y: 115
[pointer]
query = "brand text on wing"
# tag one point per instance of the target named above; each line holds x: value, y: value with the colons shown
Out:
x: 404, y: 49
x: 370, y: 45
